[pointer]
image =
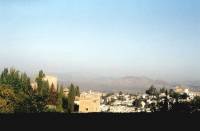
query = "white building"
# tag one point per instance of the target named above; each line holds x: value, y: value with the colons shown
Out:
x: 104, y: 108
x: 121, y: 109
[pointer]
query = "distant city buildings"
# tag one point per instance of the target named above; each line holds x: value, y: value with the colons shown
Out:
x: 91, y: 101
x: 181, y: 90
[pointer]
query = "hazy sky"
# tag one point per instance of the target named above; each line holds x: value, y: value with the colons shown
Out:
x: 153, y: 38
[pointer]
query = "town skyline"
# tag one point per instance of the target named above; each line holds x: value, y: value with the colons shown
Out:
x: 83, y: 61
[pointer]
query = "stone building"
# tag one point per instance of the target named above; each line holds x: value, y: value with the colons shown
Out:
x: 52, y: 80
x: 89, y: 102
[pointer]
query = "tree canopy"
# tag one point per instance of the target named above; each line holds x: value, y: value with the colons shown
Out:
x: 8, y: 99
x: 152, y: 91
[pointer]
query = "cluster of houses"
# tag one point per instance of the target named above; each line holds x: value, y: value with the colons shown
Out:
x: 122, y: 103
x: 191, y: 94
x: 119, y: 102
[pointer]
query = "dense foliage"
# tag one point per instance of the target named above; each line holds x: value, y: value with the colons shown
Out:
x: 152, y: 91
x: 8, y: 99
x: 17, y: 94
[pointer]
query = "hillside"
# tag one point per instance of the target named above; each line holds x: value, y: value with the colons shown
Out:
x: 127, y: 84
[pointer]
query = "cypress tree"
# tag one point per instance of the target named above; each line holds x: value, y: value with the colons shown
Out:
x: 71, y: 98
x: 77, y: 91
x: 59, y: 103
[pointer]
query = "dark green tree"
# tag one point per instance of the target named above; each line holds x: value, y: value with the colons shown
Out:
x: 65, y: 104
x: 184, y: 96
x: 59, y: 103
x: 195, y: 104
x: 77, y: 91
x: 42, y: 86
x: 171, y: 92
x: 163, y: 105
x: 137, y: 103
x: 163, y: 90
x: 152, y: 107
x: 4, y: 76
x: 71, y: 98
x: 19, y: 81
x: 36, y: 101
x: 152, y: 91
x: 52, y: 96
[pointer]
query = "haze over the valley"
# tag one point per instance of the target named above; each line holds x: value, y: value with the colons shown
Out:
x: 104, y: 44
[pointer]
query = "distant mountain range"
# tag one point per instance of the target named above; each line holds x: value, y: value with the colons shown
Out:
x: 107, y: 84
x: 132, y: 84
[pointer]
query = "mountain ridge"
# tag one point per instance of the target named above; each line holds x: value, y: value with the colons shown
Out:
x: 114, y: 84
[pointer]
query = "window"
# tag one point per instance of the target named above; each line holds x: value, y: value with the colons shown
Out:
x: 86, y: 109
